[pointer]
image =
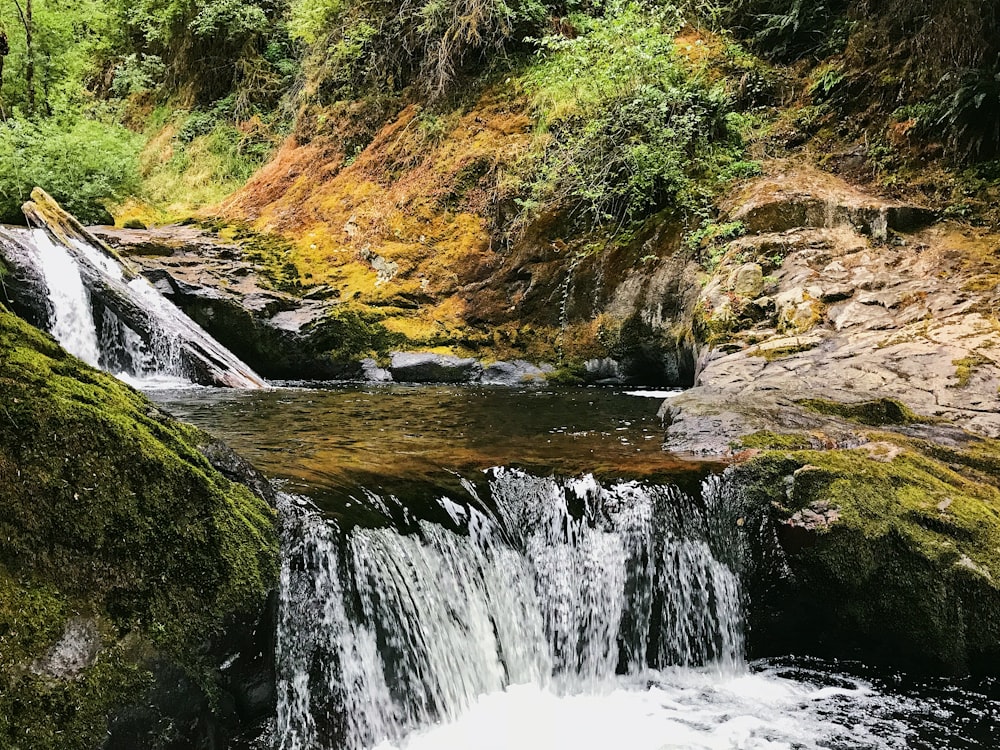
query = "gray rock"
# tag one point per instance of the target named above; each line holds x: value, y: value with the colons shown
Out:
x: 604, y: 371
x: 426, y: 367
x: 747, y: 280
x: 373, y: 373
x: 517, y: 372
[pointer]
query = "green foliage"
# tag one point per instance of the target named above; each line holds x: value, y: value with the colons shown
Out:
x: 789, y: 29
x: 971, y: 113
x: 71, y: 40
x: 211, y: 47
x: 359, y: 46
x: 632, y: 127
x: 83, y: 164
x: 710, y: 239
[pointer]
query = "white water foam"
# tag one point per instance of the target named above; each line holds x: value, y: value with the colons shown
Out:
x: 73, y: 319
x: 382, y: 633
x: 672, y: 393
x: 676, y: 709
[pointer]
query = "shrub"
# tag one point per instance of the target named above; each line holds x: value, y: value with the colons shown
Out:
x: 789, y: 29
x: 971, y: 114
x: 83, y: 164
x: 385, y: 45
x: 632, y: 127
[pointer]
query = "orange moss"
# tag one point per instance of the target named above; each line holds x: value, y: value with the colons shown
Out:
x: 404, y: 225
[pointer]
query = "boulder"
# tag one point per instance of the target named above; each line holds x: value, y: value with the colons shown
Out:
x: 427, y: 367
x: 135, y: 577
x: 517, y: 372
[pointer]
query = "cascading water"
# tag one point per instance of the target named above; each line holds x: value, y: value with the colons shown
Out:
x: 165, y: 346
x: 558, y: 585
x: 72, y: 316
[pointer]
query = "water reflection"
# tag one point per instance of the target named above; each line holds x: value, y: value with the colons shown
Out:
x: 327, y: 442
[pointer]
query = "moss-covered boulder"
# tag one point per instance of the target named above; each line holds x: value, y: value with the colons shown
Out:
x: 130, y: 568
x: 889, y: 553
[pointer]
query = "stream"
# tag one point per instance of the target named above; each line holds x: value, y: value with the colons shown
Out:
x: 525, y: 568
x: 508, y: 568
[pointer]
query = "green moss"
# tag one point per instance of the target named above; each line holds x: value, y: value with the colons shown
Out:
x: 348, y: 334
x: 966, y: 367
x: 765, y: 439
x: 786, y: 351
x: 108, y: 508
x: 910, y: 567
x: 882, y: 411
x: 572, y: 374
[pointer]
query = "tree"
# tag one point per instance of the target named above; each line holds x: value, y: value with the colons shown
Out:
x: 29, y: 69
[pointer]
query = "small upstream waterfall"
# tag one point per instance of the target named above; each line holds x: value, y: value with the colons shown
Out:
x: 88, y: 293
x: 557, y: 584
x: 72, y: 317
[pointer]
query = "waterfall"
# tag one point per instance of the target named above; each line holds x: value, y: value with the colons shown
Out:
x: 72, y: 317
x: 562, y: 584
x: 123, y: 324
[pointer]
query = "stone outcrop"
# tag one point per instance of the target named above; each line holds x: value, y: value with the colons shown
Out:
x: 845, y: 317
x: 855, y: 383
x: 426, y: 367
x: 279, y: 334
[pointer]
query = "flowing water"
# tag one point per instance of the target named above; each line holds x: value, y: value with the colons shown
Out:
x: 168, y: 350
x: 497, y: 568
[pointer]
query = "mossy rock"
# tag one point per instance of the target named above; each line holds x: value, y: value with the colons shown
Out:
x: 110, y: 515
x: 876, y: 413
x: 903, y: 570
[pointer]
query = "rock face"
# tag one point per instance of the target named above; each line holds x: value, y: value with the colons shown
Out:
x: 22, y: 287
x: 278, y: 334
x: 134, y: 576
x: 856, y: 383
x: 843, y: 317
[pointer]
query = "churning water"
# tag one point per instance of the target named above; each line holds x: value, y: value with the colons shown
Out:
x: 510, y: 609
x: 555, y: 586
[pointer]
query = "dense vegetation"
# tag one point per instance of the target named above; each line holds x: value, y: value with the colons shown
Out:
x: 210, y: 87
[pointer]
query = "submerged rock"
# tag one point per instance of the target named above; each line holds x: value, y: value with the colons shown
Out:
x: 131, y: 570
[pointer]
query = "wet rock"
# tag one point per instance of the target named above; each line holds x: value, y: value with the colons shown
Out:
x: 373, y: 373
x: 22, y: 287
x: 173, y: 239
x: 517, y: 372
x: 426, y: 367
x: 604, y: 371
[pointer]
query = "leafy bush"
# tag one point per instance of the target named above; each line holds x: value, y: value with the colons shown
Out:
x: 971, y: 114
x: 376, y: 45
x: 789, y: 29
x: 633, y: 127
x: 83, y: 164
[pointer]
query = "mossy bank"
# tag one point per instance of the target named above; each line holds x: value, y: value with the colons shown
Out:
x: 128, y: 565
x: 888, y: 553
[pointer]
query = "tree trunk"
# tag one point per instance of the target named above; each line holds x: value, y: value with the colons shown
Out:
x: 29, y: 73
